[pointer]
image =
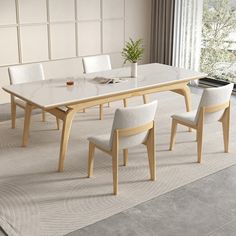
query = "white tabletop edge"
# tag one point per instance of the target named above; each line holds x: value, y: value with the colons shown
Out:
x: 104, y: 95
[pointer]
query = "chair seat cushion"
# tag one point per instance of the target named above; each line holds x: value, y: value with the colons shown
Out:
x: 101, y: 141
x: 187, y: 117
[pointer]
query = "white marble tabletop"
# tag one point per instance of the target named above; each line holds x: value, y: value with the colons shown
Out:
x: 54, y: 92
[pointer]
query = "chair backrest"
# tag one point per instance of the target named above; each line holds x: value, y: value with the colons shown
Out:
x: 26, y: 73
x: 130, y: 118
x: 213, y: 97
x: 96, y: 63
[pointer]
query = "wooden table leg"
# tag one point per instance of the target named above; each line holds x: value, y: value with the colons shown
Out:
x: 185, y: 91
x: 28, y: 111
x: 125, y: 102
x: 43, y: 116
x: 13, y: 113
x: 101, y: 112
x: 187, y: 97
x: 67, y: 122
x: 145, y: 99
x: 188, y: 100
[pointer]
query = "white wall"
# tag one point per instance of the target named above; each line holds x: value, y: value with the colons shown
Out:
x: 59, y: 32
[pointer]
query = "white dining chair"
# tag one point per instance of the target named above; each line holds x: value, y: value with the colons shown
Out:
x: 98, y: 63
x: 130, y: 128
x: 24, y: 74
x: 214, y: 106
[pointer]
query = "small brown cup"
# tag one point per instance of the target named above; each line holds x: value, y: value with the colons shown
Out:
x: 70, y: 83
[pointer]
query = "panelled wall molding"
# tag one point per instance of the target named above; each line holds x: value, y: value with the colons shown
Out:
x: 61, y: 29
x: 58, y: 33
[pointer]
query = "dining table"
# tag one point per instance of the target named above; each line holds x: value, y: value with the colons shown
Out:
x: 64, y: 101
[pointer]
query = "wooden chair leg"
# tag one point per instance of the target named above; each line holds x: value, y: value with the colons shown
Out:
x: 125, y: 102
x: 151, y: 150
x: 58, y: 123
x: 226, y: 126
x: 125, y: 156
x: 84, y: 110
x: 108, y: 104
x: 173, y: 134
x: 13, y: 113
x: 101, y: 112
x: 145, y: 98
x: 91, y: 159
x: 115, y: 172
x: 43, y: 116
x: 199, y: 143
x: 115, y: 155
x: 188, y: 101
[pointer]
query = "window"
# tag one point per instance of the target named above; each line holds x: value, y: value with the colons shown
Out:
x: 218, y: 51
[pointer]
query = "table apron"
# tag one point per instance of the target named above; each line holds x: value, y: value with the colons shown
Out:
x: 61, y: 113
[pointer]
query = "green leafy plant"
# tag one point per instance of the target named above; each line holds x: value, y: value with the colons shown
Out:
x: 133, y: 51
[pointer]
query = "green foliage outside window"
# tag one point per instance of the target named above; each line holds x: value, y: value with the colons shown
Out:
x: 218, y: 54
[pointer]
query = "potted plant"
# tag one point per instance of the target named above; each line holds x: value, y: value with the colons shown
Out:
x: 133, y: 52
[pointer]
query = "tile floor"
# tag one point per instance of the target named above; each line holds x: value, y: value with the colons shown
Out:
x: 206, y: 207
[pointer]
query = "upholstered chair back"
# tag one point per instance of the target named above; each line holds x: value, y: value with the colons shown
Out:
x: 96, y: 63
x: 130, y: 118
x: 26, y: 73
x: 213, y: 97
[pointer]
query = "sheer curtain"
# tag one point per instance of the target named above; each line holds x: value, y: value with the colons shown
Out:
x: 187, y: 34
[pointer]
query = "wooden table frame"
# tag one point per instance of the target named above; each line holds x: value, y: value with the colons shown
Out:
x: 67, y: 115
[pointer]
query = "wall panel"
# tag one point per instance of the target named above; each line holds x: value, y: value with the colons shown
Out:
x: 7, y: 12
x: 32, y: 11
x: 63, y: 43
x: 8, y: 46
x: 113, y: 9
x: 89, y: 9
x: 89, y: 38
x: 113, y: 35
x: 30, y: 37
x: 61, y: 10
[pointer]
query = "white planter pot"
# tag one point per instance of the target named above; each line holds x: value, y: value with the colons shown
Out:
x: 134, y: 70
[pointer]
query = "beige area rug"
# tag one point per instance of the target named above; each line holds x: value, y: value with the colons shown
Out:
x: 37, y: 200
